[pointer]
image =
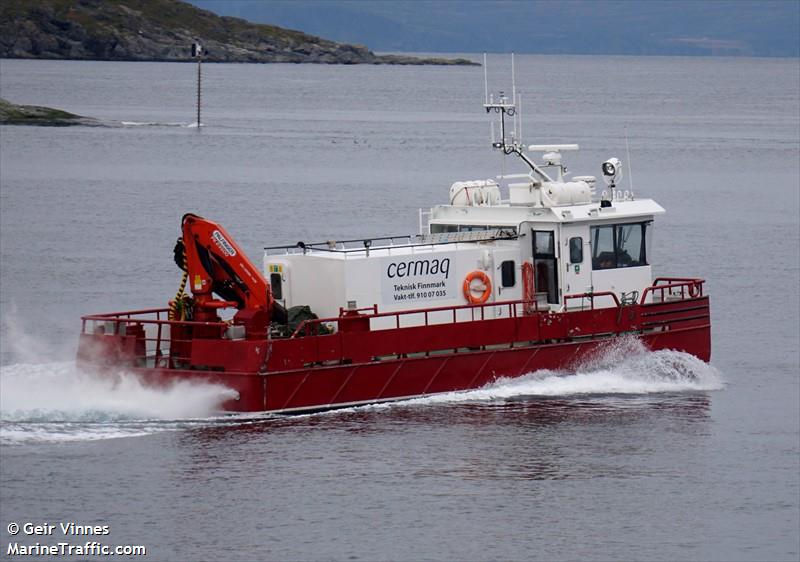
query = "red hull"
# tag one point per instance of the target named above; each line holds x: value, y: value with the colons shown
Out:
x: 357, y: 366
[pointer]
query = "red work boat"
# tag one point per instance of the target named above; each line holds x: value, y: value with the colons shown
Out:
x: 490, y: 288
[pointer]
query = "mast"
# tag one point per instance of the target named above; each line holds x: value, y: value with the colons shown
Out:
x: 505, y: 107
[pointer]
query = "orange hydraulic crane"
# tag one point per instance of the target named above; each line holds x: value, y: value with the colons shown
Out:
x: 214, y: 264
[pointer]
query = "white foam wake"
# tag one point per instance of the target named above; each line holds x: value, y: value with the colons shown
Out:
x: 59, y: 402
x: 156, y: 124
x: 56, y: 402
x: 625, y: 367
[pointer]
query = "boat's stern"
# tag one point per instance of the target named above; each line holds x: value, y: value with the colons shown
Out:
x: 162, y: 352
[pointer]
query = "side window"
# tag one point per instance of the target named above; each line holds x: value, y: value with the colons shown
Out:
x: 576, y: 250
x: 603, y: 247
x: 439, y: 228
x: 509, y: 274
x: 277, y: 285
x: 506, y: 228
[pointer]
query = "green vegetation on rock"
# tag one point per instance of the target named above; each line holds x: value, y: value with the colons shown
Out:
x: 163, y: 30
x: 12, y: 114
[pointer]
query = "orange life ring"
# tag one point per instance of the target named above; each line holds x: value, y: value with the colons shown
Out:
x: 694, y: 290
x: 487, y: 283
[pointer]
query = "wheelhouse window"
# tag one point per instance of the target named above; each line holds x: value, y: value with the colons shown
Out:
x: 603, y: 254
x: 619, y: 245
x: 630, y: 245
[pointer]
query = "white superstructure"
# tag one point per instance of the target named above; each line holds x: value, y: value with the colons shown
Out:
x: 475, y: 248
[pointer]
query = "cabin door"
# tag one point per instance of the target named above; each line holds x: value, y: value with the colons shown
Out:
x: 576, y: 255
x: 545, y: 265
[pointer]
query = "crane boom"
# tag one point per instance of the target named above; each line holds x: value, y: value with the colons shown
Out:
x: 215, y: 264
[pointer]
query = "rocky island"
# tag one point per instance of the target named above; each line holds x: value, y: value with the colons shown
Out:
x: 163, y: 30
x: 13, y: 114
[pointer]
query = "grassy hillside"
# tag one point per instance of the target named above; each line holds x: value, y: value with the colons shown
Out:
x: 625, y: 27
x: 162, y: 30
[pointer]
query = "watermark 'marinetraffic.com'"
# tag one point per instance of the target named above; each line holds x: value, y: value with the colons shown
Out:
x: 66, y: 536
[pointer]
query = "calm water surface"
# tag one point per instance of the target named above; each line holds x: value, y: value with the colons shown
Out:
x: 634, y: 456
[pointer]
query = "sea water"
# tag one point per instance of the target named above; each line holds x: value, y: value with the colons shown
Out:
x: 632, y: 455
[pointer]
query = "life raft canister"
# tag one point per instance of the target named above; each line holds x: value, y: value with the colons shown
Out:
x: 487, y: 287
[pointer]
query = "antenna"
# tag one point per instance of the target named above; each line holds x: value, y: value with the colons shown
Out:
x: 508, y: 107
x: 514, y: 96
x: 513, y: 77
x: 485, y: 82
x: 628, y: 150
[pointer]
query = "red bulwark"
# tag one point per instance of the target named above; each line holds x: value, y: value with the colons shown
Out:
x: 357, y: 365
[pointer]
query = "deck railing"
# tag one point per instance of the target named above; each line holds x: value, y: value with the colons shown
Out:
x: 161, y: 345
x: 477, y: 312
x: 591, y: 297
x: 117, y: 319
x: 389, y: 243
x: 165, y: 342
x: 675, y: 288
